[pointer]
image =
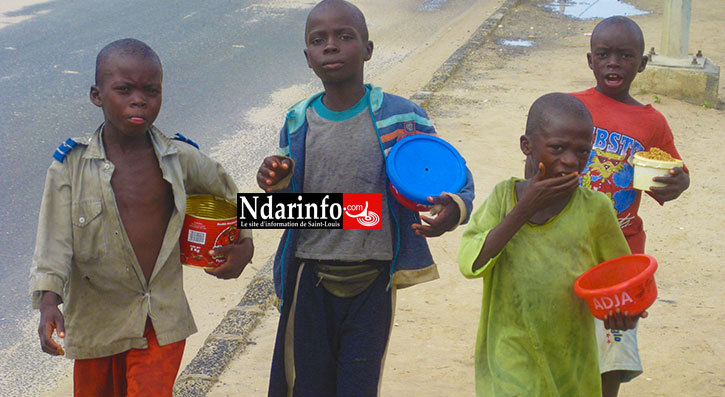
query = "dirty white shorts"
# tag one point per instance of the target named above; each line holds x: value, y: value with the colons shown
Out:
x: 618, y: 351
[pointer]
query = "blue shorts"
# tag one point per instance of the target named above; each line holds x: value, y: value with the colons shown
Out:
x: 331, y: 346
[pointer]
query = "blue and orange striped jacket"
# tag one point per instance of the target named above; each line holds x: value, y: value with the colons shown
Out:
x: 394, y: 117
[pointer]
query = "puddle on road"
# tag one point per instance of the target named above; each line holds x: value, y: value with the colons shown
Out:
x: 517, y: 43
x: 588, y: 9
x: 431, y: 5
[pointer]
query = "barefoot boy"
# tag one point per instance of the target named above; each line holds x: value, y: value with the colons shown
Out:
x: 332, y: 342
x: 107, y: 244
x: 622, y: 127
x: 529, y: 242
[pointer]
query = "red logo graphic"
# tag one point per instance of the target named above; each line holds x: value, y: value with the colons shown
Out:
x: 362, y: 210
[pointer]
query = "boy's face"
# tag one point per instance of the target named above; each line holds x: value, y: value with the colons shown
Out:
x: 129, y: 93
x: 563, y: 146
x: 335, y: 48
x: 616, y: 58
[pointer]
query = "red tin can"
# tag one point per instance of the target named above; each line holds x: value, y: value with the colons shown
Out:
x: 209, y: 222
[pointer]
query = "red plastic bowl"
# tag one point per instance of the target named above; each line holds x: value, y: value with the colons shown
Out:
x: 626, y: 283
x: 408, y: 203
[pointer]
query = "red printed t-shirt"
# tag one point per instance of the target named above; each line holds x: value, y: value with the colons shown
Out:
x: 620, y: 131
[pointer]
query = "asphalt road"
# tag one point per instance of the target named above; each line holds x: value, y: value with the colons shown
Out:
x: 220, y: 59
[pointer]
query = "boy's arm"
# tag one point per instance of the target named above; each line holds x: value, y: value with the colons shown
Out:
x: 239, y: 255
x: 483, y: 219
x: 536, y: 194
x: 51, y: 319
x: 275, y: 173
x: 451, y: 210
x: 675, y: 183
x: 500, y: 235
x: 465, y: 198
x: 52, y: 257
x: 208, y: 176
x: 678, y: 179
x: 51, y: 263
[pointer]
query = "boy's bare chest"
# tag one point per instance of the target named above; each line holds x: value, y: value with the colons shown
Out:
x: 145, y: 204
x: 139, y: 187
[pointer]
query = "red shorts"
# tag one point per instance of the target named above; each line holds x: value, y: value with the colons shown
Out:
x: 137, y: 372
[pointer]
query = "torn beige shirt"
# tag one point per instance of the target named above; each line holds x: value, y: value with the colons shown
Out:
x: 83, y: 253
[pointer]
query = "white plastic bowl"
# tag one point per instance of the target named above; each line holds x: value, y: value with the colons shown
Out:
x: 645, y: 169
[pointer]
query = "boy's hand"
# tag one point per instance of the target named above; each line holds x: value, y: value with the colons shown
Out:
x: 542, y: 192
x: 622, y: 321
x: 675, y: 183
x: 238, y: 257
x: 273, y: 170
x: 51, y: 319
x: 447, y: 217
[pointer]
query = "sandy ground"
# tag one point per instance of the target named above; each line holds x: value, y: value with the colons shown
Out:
x: 14, y: 11
x: 482, y: 110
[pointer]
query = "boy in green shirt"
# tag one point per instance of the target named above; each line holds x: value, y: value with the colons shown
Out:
x: 529, y: 241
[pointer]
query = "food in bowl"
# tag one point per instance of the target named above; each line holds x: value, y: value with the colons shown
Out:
x: 656, y: 153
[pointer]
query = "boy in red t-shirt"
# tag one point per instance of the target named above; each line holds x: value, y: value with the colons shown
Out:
x: 622, y: 127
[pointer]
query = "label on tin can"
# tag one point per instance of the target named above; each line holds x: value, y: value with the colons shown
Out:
x: 199, y: 235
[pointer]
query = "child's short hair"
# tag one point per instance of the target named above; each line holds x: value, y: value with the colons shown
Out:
x: 550, y: 106
x: 624, y: 23
x: 354, y: 12
x: 125, y: 47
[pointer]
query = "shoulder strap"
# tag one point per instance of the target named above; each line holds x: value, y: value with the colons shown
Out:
x: 64, y: 149
x: 179, y: 137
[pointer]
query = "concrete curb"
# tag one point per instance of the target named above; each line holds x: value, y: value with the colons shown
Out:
x: 480, y: 36
x: 231, y: 336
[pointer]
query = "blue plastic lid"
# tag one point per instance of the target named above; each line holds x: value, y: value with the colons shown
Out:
x: 420, y: 166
